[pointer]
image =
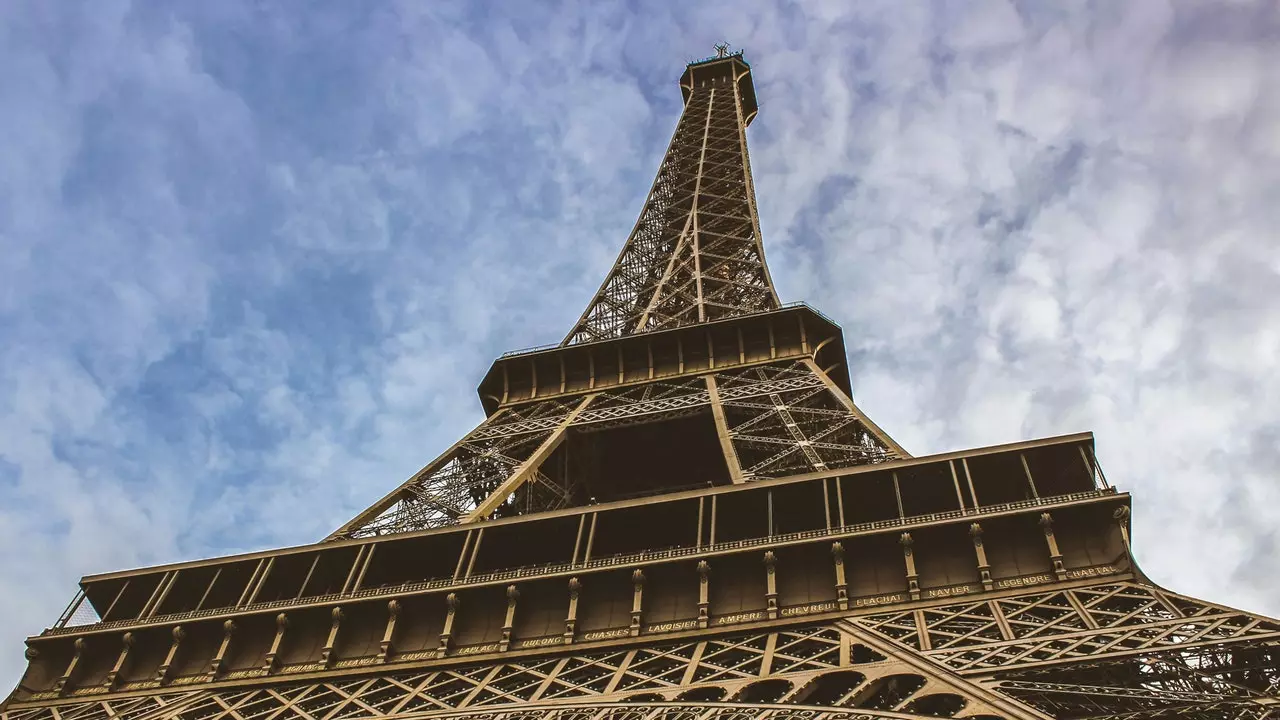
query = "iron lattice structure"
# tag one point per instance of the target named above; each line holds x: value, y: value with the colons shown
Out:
x: 678, y: 514
x: 779, y: 419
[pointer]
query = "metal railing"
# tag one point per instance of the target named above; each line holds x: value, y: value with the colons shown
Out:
x: 75, y: 617
x: 551, y: 346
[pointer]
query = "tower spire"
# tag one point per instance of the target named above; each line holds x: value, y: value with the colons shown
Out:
x: 695, y: 253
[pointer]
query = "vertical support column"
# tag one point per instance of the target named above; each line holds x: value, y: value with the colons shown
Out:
x: 271, y: 563
x: 1095, y: 478
x: 462, y: 555
x: 218, y: 573
x: 446, y: 635
x: 475, y: 553
x: 769, y: 513
x: 113, y: 675
x: 964, y: 465
x: 712, y: 537
x: 637, y: 600
x: 984, y: 568
x: 162, y: 674
x: 1055, y: 557
x: 368, y: 560
x: 282, y: 624
x: 702, y: 504
x: 722, y: 431
x: 1121, y: 516
x: 387, y: 643
x: 839, y: 500
x: 172, y: 578
x: 826, y: 503
x: 335, y: 623
x: 704, y: 594
x: 591, y: 539
x: 106, y: 616
x: 771, y: 585
x: 60, y: 685
x: 1030, y: 480
x: 509, y: 622
x: 913, y: 579
x: 571, y: 620
x: 161, y: 588
x: 220, y: 657
x: 355, y: 568
x: 577, y: 539
x: 955, y: 480
x: 842, y: 585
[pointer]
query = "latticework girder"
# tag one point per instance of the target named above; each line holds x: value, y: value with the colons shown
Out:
x: 780, y: 419
x: 695, y: 253
x: 1115, y: 650
x: 820, y: 668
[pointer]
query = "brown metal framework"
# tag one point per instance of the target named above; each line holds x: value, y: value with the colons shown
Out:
x: 695, y: 253
x: 678, y: 513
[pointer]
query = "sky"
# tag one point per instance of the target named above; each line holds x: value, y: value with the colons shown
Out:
x: 254, y: 257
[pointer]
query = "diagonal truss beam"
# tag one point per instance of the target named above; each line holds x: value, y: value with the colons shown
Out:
x: 854, y: 410
x: 526, y: 469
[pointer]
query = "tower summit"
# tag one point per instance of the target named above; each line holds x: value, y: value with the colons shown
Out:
x: 677, y: 513
x: 695, y: 253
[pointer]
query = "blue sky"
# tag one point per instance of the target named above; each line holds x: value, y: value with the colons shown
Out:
x: 255, y: 257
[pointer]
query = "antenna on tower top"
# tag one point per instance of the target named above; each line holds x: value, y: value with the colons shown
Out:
x: 722, y: 49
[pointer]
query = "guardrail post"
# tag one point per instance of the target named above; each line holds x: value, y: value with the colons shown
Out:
x: 571, y: 621
x: 984, y: 568
x: 913, y: 579
x: 451, y: 602
x: 704, y: 602
x: 842, y: 586
x: 326, y: 651
x: 637, y: 600
x: 771, y: 585
x: 228, y: 629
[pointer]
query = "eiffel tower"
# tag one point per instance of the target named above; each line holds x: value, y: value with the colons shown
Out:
x: 678, y: 513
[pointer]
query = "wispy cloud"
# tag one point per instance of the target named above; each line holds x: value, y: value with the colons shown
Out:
x: 254, y: 261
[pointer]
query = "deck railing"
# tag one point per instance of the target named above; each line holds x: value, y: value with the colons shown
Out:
x: 80, y: 614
